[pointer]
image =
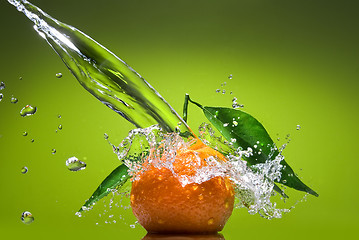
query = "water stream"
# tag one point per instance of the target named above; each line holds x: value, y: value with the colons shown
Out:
x: 103, y: 74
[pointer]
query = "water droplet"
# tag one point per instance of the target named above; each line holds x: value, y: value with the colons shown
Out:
x: 255, y: 146
x: 235, y: 123
x: 225, y: 124
x: 2, y: 85
x: 32, y: 140
x: 1, y: 96
x: 210, y: 221
x: 230, y: 76
x: 223, y: 91
x: 26, y: 217
x: 284, y: 181
x: 24, y: 170
x: 218, y: 90
x: 235, y: 104
x: 298, y: 127
x: 20, y: 78
x: 53, y: 151
x: 28, y: 110
x: 59, y: 116
x: 231, y: 93
x: 60, y: 127
x: 14, y: 100
x: 73, y: 164
x: 24, y: 134
x: 58, y: 75
x: 105, y: 136
x: 132, y: 226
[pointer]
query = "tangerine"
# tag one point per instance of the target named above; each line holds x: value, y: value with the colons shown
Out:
x: 163, y: 205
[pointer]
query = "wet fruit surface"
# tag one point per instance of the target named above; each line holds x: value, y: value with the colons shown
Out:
x: 162, y: 204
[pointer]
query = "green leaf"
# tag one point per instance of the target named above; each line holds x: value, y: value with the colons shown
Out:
x: 245, y: 131
x: 116, y: 179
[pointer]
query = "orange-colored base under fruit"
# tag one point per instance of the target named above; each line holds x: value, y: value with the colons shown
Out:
x: 162, y: 205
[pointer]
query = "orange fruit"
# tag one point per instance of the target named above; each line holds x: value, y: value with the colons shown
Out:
x: 162, y: 205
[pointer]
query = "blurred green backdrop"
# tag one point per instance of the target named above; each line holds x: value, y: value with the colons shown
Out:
x: 293, y: 62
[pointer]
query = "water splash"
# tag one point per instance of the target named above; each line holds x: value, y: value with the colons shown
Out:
x: 253, y: 185
x: 103, y: 74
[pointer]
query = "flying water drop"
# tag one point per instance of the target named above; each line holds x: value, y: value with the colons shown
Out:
x: 27, y: 218
x: 24, y: 170
x: 73, y: 164
x: 28, y: 110
x: 14, y: 100
x: 105, y: 135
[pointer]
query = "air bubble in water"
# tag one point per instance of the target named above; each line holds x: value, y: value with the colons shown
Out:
x: 2, y: 85
x: 298, y: 127
x: 28, y: 110
x: 58, y: 75
x: 73, y: 164
x: 14, y: 100
x: 26, y: 217
x: 24, y: 170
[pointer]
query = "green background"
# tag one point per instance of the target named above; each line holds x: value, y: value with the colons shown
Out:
x: 293, y: 62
